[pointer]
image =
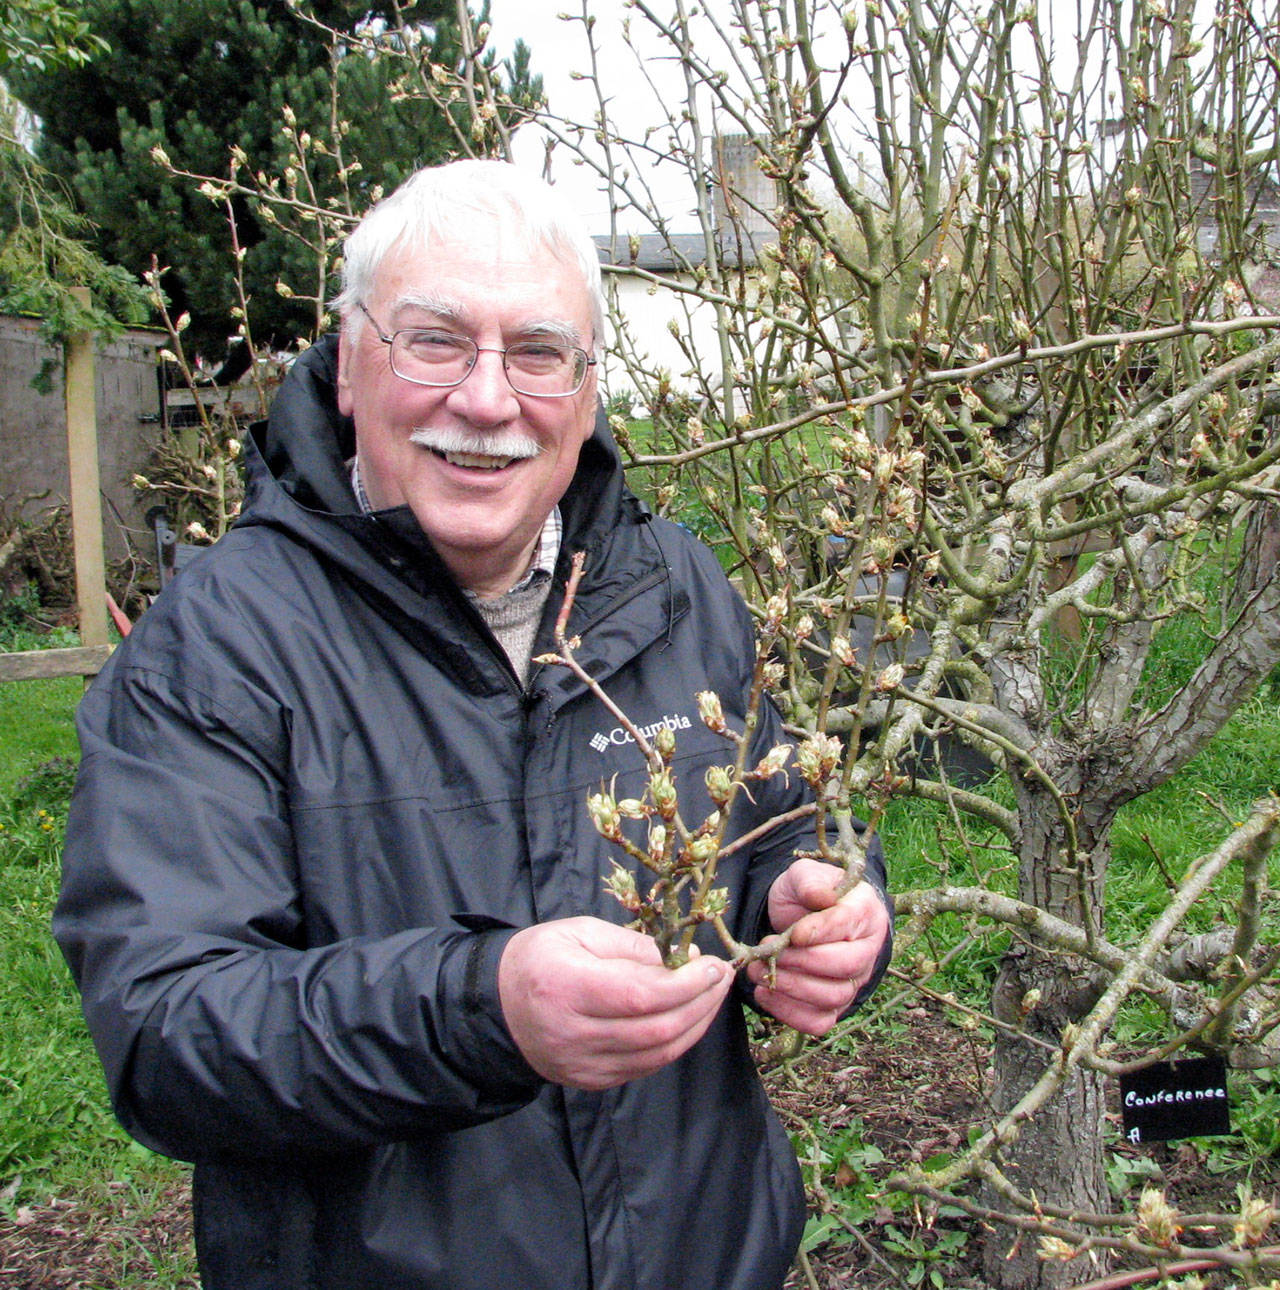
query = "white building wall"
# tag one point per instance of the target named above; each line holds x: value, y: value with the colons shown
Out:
x: 649, y: 310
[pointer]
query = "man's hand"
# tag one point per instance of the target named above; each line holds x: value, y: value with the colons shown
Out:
x: 834, y: 945
x: 590, y: 1005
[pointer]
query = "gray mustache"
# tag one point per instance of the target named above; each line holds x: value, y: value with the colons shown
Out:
x: 504, y: 444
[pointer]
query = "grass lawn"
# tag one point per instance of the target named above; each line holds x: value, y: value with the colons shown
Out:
x: 35, y: 725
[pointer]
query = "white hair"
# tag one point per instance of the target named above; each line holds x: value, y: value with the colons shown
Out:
x: 446, y: 201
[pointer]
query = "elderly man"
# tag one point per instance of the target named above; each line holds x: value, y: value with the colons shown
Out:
x: 331, y: 893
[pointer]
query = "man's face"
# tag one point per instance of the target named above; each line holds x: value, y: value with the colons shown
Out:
x: 482, y: 513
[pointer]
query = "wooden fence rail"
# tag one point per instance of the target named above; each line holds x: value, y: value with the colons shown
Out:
x: 34, y: 664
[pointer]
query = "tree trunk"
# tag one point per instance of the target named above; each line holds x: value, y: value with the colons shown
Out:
x: 1057, y: 1158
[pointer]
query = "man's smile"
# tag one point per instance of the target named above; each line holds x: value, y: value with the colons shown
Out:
x: 475, y: 460
x: 493, y: 451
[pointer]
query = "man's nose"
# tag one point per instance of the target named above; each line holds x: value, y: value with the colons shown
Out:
x: 486, y: 396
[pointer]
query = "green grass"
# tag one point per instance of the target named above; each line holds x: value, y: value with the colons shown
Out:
x: 57, y: 1133
x: 1156, y: 836
x: 56, y: 1129
x: 36, y: 724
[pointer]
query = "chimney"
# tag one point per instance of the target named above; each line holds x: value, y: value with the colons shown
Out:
x: 743, y: 194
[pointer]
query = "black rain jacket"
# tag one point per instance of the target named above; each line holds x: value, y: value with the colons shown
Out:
x: 314, y: 801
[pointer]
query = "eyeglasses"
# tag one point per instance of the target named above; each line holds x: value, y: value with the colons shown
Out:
x: 427, y: 356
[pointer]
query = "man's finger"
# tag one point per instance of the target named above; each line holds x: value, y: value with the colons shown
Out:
x: 619, y: 988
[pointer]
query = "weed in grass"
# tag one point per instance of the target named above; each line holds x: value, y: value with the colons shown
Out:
x: 1255, y: 1119
x: 926, y: 1251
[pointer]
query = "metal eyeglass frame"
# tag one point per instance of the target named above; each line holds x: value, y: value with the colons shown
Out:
x: 389, y: 342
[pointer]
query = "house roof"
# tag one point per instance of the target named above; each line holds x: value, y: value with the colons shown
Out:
x: 678, y: 252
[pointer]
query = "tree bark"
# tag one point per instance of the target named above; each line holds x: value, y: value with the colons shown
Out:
x: 1057, y: 1157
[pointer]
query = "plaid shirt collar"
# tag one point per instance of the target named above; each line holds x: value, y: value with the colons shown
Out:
x: 545, y: 554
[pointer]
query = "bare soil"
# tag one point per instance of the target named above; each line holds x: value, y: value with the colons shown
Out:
x: 915, y: 1095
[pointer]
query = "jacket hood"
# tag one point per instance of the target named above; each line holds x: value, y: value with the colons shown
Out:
x: 298, y: 466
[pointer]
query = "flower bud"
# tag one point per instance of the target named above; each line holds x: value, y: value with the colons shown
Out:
x: 773, y: 674
x: 773, y: 761
x: 657, y: 843
x: 702, y: 849
x: 663, y: 792
x: 664, y: 740
x: 817, y: 757
x: 719, y: 780
x: 621, y: 885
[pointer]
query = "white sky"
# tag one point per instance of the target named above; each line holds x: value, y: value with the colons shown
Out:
x: 643, y: 93
x: 558, y: 50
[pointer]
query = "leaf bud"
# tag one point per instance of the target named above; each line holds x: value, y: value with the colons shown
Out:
x: 604, y: 815
x: 710, y: 711
x: 1256, y: 1218
x: 1054, y: 1247
x: 890, y: 678
x: 1157, y: 1218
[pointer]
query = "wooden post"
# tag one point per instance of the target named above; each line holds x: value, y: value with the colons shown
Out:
x: 86, y: 501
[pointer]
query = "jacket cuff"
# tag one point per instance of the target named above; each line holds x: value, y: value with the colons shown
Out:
x: 482, y: 1040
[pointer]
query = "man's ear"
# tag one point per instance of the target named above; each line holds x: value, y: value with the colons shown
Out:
x: 344, y: 382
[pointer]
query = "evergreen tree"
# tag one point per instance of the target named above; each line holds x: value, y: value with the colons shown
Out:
x: 43, y: 250
x: 200, y: 79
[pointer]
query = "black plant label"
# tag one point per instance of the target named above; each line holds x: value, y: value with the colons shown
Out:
x: 1180, y: 1099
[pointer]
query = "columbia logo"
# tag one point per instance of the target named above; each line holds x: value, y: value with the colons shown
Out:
x: 603, y: 740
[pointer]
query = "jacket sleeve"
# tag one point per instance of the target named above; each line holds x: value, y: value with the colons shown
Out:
x: 181, y: 918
